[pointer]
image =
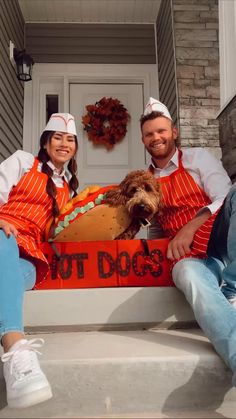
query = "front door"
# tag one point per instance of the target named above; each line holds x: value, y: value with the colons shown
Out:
x: 97, y: 165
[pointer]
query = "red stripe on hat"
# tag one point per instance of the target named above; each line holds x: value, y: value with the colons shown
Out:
x: 66, y: 122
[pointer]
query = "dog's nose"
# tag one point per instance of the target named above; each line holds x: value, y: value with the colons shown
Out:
x: 141, y: 206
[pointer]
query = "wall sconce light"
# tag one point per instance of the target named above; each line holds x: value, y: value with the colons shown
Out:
x: 23, y: 61
x: 24, y: 64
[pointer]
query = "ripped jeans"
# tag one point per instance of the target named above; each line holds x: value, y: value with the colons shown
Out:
x: 16, y: 276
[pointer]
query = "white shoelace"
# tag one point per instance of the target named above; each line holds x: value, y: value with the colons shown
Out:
x: 25, y: 362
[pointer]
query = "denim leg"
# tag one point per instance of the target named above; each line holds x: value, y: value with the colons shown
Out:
x: 16, y: 276
x: 222, y: 243
x: 199, y: 280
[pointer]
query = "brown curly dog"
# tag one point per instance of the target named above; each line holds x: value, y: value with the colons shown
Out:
x: 140, y: 194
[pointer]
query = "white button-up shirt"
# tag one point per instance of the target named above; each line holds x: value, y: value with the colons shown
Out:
x: 14, y: 167
x: 206, y: 170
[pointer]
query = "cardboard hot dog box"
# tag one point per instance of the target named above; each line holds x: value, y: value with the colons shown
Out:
x: 107, y: 263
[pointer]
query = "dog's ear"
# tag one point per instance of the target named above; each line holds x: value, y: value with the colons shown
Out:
x: 115, y: 197
x: 154, y: 181
x: 159, y: 193
x: 158, y: 186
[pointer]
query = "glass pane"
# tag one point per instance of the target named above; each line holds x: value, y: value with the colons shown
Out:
x: 51, y: 105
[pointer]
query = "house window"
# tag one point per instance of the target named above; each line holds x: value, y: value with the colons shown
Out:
x: 51, y: 105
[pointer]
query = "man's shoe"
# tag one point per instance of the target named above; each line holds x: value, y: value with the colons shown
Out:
x: 26, y: 384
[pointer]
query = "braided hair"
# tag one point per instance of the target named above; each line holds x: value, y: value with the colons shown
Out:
x: 51, y: 189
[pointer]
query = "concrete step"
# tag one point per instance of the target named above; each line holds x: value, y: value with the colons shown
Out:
x: 133, y: 374
x: 94, y: 308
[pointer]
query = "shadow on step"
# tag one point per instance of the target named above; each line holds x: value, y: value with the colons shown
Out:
x: 144, y: 309
x: 208, y: 379
x: 206, y: 390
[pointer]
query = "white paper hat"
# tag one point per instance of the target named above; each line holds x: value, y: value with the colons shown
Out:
x: 155, y: 105
x: 63, y: 122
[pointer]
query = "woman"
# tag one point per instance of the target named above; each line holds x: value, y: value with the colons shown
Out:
x: 31, y: 191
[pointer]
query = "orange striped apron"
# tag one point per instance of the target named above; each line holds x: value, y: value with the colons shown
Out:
x: 182, y: 198
x: 29, y: 208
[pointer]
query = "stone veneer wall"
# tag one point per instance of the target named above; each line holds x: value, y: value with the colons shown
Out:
x: 227, y: 121
x: 195, y: 24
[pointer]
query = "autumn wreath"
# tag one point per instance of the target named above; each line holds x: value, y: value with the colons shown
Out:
x: 106, y: 122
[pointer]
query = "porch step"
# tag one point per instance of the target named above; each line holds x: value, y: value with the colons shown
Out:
x: 95, y: 308
x: 131, y: 374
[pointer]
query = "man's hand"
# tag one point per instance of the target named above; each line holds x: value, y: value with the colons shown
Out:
x: 8, y: 228
x: 180, y: 245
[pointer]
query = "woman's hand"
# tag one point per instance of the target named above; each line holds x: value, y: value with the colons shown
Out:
x: 8, y: 228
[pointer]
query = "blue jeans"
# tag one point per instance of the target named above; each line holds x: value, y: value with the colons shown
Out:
x: 209, y: 283
x: 16, y: 276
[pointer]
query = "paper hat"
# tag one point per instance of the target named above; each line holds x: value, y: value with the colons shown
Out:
x: 155, y: 105
x: 63, y: 122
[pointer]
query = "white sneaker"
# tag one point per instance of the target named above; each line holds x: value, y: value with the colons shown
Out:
x: 25, y: 382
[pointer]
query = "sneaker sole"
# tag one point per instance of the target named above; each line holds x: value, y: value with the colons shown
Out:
x: 31, y: 399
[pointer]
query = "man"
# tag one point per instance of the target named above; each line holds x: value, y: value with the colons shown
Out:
x: 199, y: 216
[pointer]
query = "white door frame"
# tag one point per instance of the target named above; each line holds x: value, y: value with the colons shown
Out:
x: 55, y: 78
x: 227, y: 46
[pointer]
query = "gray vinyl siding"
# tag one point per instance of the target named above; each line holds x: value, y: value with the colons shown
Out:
x: 166, y: 58
x: 91, y: 43
x: 11, y: 90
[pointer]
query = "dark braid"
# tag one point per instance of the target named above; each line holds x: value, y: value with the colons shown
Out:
x: 50, y: 187
x: 74, y: 183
